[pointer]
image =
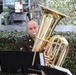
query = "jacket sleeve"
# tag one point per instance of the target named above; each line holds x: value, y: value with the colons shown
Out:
x: 23, y: 44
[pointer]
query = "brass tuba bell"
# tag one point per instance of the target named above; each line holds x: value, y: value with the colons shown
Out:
x: 48, y: 23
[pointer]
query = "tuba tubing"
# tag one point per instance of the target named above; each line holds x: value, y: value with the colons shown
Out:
x: 57, y: 49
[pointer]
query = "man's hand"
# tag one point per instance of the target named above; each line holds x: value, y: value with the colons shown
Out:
x: 46, y: 58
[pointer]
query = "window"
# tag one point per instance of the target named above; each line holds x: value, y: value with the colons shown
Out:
x: 11, y: 2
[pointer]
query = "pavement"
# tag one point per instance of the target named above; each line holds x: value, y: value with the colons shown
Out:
x: 58, y: 28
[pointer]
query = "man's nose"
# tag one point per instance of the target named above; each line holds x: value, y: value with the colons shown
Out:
x: 33, y: 30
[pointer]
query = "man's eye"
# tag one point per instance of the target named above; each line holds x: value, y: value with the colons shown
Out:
x: 34, y: 27
x: 30, y: 28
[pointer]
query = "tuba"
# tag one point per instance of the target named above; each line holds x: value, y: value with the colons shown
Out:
x: 58, y: 44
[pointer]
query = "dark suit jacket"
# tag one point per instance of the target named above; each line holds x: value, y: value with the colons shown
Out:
x: 26, y: 44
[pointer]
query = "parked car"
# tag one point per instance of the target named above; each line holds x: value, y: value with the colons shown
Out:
x: 14, y: 12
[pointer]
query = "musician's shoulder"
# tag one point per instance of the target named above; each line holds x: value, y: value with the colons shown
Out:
x: 25, y: 37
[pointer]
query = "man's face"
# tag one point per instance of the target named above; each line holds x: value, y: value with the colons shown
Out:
x: 32, y: 29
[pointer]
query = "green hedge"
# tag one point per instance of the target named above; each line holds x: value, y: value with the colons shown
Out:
x: 9, y: 40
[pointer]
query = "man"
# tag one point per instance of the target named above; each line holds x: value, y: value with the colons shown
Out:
x: 32, y: 29
x: 28, y: 42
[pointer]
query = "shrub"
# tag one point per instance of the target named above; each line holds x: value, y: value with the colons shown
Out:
x: 9, y: 41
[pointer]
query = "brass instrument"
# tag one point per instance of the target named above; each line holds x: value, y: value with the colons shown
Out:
x: 49, y: 21
x: 57, y: 48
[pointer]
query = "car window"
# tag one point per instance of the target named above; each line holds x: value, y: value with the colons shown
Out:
x: 11, y: 2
